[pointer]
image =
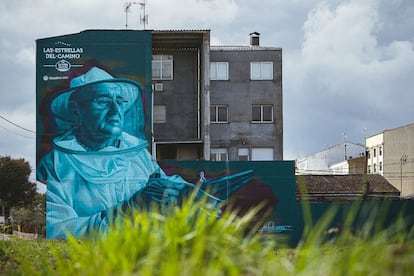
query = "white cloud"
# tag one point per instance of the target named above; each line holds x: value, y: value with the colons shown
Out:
x: 26, y: 57
x: 347, y: 32
x: 342, y: 80
x: 191, y: 14
x: 347, y: 64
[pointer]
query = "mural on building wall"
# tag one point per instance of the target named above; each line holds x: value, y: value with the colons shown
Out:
x: 272, y: 187
x: 93, y: 101
x: 93, y: 128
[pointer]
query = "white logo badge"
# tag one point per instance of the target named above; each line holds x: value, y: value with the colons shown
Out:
x: 63, y: 65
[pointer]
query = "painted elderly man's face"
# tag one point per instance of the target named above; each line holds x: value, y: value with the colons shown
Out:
x: 101, y: 110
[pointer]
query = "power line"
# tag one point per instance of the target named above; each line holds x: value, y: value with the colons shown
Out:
x: 7, y: 120
x: 15, y: 133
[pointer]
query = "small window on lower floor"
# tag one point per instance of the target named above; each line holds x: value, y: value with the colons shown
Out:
x: 262, y: 154
x: 244, y: 154
x: 160, y: 114
x: 262, y: 113
x: 218, y: 154
x: 219, y: 114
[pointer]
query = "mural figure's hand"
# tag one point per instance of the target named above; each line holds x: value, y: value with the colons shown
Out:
x: 218, y: 190
x: 172, y: 190
x: 164, y: 190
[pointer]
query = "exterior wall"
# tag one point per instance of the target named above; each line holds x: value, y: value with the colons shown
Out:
x: 339, y: 168
x: 399, y: 158
x: 184, y: 135
x: 375, y: 154
x: 239, y: 93
x: 188, y: 133
x: 320, y: 162
x: 180, y: 95
x: 358, y: 165
x: 350, y: 166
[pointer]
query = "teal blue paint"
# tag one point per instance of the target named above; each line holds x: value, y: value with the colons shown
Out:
x: 123, y: 54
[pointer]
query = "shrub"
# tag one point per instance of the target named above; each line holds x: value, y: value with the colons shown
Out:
x: 192, y: 241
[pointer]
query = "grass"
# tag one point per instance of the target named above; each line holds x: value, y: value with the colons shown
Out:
x: 190, y: 241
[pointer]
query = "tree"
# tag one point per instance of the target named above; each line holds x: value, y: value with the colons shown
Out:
x: 32, y: 218
x: 15, y: 188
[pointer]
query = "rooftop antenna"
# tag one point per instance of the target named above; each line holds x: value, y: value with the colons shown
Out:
x: 143, y: 19
x: 127, y: 10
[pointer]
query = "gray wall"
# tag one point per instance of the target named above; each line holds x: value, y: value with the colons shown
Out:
x: 397, y: 143
x: 180, y: 95
x: 239, y: 93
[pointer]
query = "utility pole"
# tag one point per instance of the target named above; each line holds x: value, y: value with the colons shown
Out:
x: 403, y: 160
x: 344, y: 141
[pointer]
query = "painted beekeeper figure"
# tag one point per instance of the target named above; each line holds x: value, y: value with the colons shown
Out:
x: 97, y: 171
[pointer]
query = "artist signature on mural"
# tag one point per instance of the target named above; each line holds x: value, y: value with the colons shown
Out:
x: 271, y: 227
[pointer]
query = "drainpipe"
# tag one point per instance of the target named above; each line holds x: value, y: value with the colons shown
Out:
x: 205, y: 105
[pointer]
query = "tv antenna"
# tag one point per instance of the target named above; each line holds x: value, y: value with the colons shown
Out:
x: 143, y: 19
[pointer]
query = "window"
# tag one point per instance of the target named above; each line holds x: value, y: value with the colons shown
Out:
x: 218, y: 154
x: 380, y: 166
x: 375, y: 152
x: 380, y: 151
x: 375, y: 168
x: 219, y: 114
x: 262, y: 113
x: 262, y: 154
x: 369, y: 154
x: 160, y: 114
x: 261, y: 70
x: 162, y: 67
x: 369, y: 168
x: 244, y: 154
x: 219, y: 70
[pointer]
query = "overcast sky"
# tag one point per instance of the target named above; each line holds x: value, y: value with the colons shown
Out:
x: 348, y: 66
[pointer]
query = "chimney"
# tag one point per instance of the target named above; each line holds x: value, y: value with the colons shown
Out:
x: 254, y: 39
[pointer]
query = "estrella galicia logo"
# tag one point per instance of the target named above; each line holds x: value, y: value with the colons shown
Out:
x: 63, y: 65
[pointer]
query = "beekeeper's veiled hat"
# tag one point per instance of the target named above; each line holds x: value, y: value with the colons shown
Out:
x: 130, y: 90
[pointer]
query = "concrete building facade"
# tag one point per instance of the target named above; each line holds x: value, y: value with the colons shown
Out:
x: 180, y: 74
x: 350, y: 166
x: 215, y: 102
x: 246, y: 106
x: 391, y: 154
x: 375, y: 154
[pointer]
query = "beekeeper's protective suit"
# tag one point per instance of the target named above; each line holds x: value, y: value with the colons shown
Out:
x: 88, y: 188
x: 97, y: 172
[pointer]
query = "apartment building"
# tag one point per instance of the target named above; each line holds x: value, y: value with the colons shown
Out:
x: 391, y: 154
x: 216, y: 102
x: 246, y: 110
x: 375, y: 154
x: 180, y: 77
